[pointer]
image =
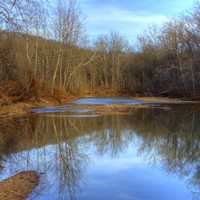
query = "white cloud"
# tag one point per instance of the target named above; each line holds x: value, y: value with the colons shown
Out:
x: 103, y: 18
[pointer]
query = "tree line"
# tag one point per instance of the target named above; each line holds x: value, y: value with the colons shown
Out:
x: 44, y: 47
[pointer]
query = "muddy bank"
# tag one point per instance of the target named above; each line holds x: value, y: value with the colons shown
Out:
x: 23, y: 108
x: 18, y: 187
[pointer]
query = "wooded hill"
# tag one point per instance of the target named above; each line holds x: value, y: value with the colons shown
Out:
x: 41, y: 53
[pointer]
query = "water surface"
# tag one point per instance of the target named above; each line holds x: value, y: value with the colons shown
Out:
x: 107, y: 101
x: 150, y: 154
x: 71, y: 106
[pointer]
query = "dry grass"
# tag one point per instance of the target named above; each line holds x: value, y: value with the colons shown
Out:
x: 19, y: 186
x: 15, y: 101
x: 22, y: 108
x: 18, y: 109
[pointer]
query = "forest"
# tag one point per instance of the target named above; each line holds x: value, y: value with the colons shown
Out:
x: 44, y: 49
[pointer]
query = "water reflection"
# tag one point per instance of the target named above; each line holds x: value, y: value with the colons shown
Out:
x: 153, y: 152
x: 107, y: 101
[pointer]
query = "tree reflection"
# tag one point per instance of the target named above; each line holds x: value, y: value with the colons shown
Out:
x: 58, y: 145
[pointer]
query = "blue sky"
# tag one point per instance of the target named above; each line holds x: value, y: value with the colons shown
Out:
x: 129, y: 17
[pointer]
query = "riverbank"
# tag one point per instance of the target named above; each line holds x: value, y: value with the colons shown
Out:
x: 23, y: 108
x: 126, y: 105
x: 166, y: 100
x: 19, y: 186
x: 20, y: 109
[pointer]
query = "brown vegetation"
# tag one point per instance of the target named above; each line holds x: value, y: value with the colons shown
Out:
x: 19, y: 186
x: 38, y: 59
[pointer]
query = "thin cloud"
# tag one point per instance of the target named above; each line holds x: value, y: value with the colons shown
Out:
x: 129, y: 18
x: 117, y: 15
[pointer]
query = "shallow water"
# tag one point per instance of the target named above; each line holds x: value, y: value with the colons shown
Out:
x: 150, y: 154
x: 88, y: 101
x: 107, y: 101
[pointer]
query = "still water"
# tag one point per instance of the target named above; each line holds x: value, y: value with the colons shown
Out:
x: 107, y: 101
x: 148, y: 154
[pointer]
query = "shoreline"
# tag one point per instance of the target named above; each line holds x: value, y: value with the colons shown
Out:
x: 19, y: 186
x: 21, y: 109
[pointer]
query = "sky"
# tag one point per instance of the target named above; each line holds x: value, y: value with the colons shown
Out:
x: 129, y: 17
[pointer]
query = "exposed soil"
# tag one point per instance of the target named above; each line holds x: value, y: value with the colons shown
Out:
x: 18, y: 187
x: 20, y: 109
x: 16, y: 101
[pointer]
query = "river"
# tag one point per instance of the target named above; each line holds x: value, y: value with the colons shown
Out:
x: 147, y: 154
